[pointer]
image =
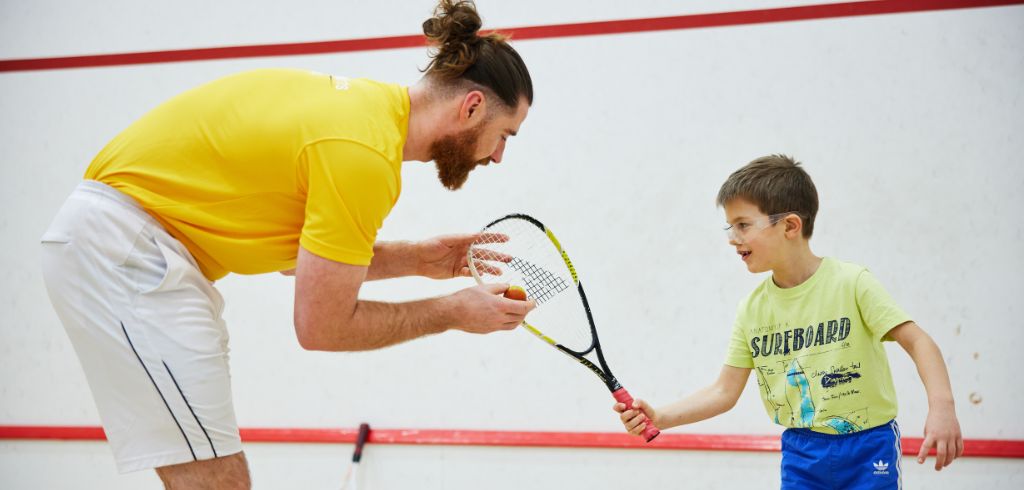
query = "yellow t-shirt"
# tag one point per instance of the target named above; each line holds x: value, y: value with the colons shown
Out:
x: 243, y: 169
x: 817, y: 349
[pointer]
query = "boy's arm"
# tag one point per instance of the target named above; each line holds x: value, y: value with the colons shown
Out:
x: 705, y: 403
x: 941, y: 428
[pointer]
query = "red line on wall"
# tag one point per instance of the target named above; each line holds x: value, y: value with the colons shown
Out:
x: 784, y: 14
x: 979, y: 448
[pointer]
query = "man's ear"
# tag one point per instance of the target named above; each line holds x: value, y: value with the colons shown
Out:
x: 794, y: 225
x: 473, y: 108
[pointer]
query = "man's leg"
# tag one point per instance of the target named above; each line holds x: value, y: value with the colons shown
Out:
x: 226, y: 473
x: 148, y: 330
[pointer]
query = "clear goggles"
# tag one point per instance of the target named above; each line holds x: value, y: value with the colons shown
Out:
x: 744, y: 229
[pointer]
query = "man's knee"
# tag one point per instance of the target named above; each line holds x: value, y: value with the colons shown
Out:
x: 224, y: 473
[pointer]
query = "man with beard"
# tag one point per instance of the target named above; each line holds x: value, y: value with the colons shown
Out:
x: 264, y: 171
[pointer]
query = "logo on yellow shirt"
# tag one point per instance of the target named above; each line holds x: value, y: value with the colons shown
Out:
x: 340, y: 83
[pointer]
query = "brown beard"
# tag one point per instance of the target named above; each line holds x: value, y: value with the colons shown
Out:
x: 453, y: 156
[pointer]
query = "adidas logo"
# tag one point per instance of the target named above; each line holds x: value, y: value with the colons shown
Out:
x: 881, y: 467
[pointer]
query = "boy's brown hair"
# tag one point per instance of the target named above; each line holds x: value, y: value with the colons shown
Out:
x: 775, y: 184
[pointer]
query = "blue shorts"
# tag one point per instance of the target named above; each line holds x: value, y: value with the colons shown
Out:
x: 866, y: 459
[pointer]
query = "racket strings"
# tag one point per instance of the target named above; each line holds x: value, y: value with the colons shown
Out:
x: 517, y: 252
x: 541, y: 284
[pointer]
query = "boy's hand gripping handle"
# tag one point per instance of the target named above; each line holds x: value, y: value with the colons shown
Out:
x: 622, y: 396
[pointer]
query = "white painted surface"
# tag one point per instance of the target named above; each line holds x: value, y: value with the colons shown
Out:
x: 910, y: 125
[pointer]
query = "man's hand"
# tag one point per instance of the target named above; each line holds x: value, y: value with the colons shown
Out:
x: 483, y: 309
x: 942, y: 432
x: 444, y: 257
x: 329, y: 316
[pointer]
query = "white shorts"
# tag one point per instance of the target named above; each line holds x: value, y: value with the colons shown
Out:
x: 147, y: 327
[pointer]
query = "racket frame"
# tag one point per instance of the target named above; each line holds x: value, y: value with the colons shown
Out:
x: 604, y: 373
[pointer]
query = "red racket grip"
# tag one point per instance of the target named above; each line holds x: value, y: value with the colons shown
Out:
x: 623, y: 396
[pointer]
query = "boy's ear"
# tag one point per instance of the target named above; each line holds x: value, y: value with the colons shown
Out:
x: 794, y: 226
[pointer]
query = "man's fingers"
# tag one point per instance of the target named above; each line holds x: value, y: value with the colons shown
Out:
x: 456, y: 240
x: 462, y: 239
x: 487, y: 269
x: 485, y: 254
x: 521, y: 308
x: 959, y: 446
x: 483, y: 257
x: 491, y: 238
x: 495, y: 288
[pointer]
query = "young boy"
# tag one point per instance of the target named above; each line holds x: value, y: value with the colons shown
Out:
x: 813, y: 333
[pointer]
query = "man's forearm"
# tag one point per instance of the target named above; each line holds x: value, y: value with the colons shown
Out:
x: 374, y: 325
x: 392, y: 259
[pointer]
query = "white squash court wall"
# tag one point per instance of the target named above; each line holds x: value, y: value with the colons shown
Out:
x: 910, y: 125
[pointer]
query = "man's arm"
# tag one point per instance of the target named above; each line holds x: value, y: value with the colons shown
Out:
x: 941, y: 428
x: 329, y: 315
x: 442, y: 257
x: 392, y: 259
x: 705, y: 403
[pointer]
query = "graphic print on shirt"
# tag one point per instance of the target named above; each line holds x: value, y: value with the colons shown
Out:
x: 849, y: 422
x: 809, y: 376
x: 798, y: 394
x: 769, y: 398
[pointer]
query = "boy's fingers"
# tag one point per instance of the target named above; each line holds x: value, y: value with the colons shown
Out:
x: 636, y: 422
x: 639, y: 429
x: 959, y: 447
x: 632, y: 421
x: 923, y: 453
x: 940, y: 455
x: 632, y: 418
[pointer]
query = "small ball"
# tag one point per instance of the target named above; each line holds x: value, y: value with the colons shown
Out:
x: 516, y: 293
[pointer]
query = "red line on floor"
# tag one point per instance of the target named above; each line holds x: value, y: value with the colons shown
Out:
x: 979, y: 448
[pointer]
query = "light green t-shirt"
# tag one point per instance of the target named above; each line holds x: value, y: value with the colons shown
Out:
x: 817, y: 349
